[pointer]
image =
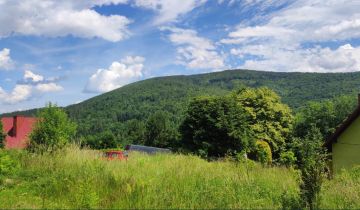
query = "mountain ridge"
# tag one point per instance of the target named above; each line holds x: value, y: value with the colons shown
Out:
x: 170, y: 94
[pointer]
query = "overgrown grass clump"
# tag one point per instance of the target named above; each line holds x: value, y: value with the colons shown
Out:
x: 76, y: 178
x: 342, y: 192
x: 82, y: 179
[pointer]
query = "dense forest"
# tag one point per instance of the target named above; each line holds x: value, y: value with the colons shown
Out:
x: 227, y: 116
x: 131, y: 114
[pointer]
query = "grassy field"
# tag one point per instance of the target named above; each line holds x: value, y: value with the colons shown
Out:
x: 81, y: 179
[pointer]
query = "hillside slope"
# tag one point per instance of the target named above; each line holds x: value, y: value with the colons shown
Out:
x: 171, y: 94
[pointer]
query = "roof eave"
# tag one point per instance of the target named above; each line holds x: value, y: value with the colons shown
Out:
x: 342, y: 127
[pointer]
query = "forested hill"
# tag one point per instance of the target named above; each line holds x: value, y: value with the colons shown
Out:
x: 125, y: 107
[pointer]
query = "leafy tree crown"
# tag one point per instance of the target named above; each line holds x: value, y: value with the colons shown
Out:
x: 52, y: 131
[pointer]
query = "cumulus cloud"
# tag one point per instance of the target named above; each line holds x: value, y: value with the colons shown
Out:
x: 193, y: 51
x: 61, y: 18
x: 33, y: 85
x: 118, y: 74
x: 5, y: 60
x: 290, y: 40
x: 343, y: 59
x: 169, y: 11
x: 30, y: 76
x: 342, y: 30
x: 18, y: 94
x: 48, y: 87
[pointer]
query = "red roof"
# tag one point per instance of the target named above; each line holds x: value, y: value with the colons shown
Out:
x: 17, y: 130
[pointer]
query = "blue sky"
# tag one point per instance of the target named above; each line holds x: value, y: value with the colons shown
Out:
x: 68, y: 51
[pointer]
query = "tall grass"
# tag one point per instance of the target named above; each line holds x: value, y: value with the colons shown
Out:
x: 82, y: 179
x: 342, y: 192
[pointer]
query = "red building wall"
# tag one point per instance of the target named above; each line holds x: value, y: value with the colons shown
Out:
x: 17, y: 130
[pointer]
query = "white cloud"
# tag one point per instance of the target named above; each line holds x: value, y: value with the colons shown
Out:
x: 169, y: 10
x: 261, y: 31
x: 282, y: 42
x: 5, y: 60
x: 342, y: 30
x: 34, y: 85
x: 317, y: 59
x: 48, y: 87
x: 61, y: 18
x: 78, y: 18
x: 118, y: 74
x: 130, y: 60
x: 30, y: 76
x: 194, y: 51
x: 18, y: 94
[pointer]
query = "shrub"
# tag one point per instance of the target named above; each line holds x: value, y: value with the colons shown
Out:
x: 8, y: 164
x: 312, y: 165
x: 287, y: 158
x: 262, y: 152
x: 52, y: 130
x: 103, y: 140
x: 290, y: 201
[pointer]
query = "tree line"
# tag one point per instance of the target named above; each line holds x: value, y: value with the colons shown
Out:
x: 247, y: 120
x: 243, y: 121
x: 249, y: 123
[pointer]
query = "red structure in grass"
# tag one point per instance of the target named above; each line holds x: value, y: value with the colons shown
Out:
x: 115, y: 155
x: 17, y: 130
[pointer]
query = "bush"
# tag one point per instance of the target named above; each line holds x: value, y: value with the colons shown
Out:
x: 103, y: 140
x: 312, y: 165
x: 287, y: 158
x: 8, y: 164
x: 52, y: 130
x: 290, y: 201
x: 262, y: 152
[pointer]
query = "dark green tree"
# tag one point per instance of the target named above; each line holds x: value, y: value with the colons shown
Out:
x: 160, y: 131
x: 105, y: 140
x: 52, y: 131
x: 270, y: 119
x: 134, y: 131
x: 325, y: 115
x: 216, y: 126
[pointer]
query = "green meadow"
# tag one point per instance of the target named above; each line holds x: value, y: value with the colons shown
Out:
x: 75, y: 178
